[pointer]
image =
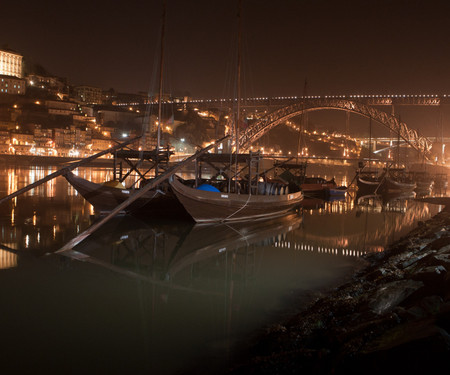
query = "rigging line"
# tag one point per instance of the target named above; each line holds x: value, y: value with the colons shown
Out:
x: 240, y: 209
x: 76, y: 255
x: 161, y: 71
x: 242, y: 235
x: 238, y: 82
x: 247, y: 70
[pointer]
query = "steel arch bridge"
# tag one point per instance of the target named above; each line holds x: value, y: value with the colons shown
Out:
x: 263, y: 125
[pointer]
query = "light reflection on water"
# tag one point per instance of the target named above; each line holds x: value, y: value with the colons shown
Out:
x: 144, y: 296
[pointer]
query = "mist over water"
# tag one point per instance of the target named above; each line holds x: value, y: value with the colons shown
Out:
x: 147, y: 295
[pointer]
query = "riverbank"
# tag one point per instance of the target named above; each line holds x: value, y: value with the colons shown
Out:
x: 393, y: 315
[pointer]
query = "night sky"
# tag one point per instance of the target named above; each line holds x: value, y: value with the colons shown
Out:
x: 339, y: 47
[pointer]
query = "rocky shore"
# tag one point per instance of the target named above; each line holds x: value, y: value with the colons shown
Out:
x: 392, y: 316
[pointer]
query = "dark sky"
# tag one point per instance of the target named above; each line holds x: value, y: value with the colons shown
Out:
x: 340, y: 47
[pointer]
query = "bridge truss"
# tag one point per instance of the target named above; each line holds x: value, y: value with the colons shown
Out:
x: 263, y: 125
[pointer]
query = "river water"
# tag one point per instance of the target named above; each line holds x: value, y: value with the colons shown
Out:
x: 147, y: 296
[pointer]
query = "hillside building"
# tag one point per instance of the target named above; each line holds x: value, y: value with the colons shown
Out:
x: 11, y: 63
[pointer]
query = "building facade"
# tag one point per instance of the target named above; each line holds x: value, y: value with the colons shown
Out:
x: 12, y: 85
x: 11, y: 63
x: 88, y: 94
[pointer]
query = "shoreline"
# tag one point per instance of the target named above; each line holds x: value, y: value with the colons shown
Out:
x: 393, y: 314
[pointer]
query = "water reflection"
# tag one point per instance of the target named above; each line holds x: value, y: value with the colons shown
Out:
x: 152, y: 296
x: 8, y: 258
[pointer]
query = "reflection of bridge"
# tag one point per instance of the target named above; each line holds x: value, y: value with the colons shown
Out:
x: 281, y: 115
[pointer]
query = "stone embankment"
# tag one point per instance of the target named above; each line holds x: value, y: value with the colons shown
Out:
x: 394, y: 315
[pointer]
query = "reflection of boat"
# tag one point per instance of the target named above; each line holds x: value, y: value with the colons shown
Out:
x: 168, y: 247
x: 204, y: 241
x: 392, y: 202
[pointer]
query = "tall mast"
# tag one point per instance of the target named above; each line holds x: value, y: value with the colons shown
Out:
x: 161, y: 67
x: 302, y: 116
x: 238, y: 107
x: 370, y: 140
x: 398, y: 144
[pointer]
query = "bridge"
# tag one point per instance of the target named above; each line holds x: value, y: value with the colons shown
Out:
x: 374, y: 100
x: 279, y: 116
x: 278, y: 110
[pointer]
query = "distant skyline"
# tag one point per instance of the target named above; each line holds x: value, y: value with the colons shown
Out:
x: 339, y: 47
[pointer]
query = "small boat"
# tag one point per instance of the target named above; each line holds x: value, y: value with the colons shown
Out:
x: 312, y: 187
x: 317, y: 187
x: 337, y: 192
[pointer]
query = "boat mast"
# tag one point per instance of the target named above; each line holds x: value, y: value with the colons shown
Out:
x: 398, y: 145
x: 370, y: 140
x: 238, y: 106
x: 161, y: 66
x: 302, y: 117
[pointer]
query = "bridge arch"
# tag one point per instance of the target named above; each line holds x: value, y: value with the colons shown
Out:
x: 263, y: 125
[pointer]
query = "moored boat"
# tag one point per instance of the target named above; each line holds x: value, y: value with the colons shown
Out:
x: 319, y: 187
x: 397, y: 181
x: 368, y: 182
x: 207, y: 206
x: 107, y: 196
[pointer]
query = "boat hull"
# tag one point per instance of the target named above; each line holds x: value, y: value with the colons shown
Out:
x: 209, y: 207
x: 391, y: 185
x: 368, y: 186
x: 106, y: 198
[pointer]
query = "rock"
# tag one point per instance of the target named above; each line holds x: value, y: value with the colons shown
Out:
x: 415, y: 347
x: 431, y: 304
x: 439, y: 243
x: 392, y: 294
x: 440, y: 259
x: 430, y: 275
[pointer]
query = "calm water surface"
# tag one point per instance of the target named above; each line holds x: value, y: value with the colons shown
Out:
x: 147, y: 296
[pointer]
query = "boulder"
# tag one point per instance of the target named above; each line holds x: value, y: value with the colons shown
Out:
x: 390, y: 295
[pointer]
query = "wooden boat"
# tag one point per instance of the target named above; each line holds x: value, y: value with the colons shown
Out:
x: 337, y: 192
x: 368, y: 185
x: 226, y: 197
x: 215, y: 206
x: 318, y: 187
x: 369, y: 181
x: 396, y: 181
x: 107, y: 196
x: 312, y: 187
